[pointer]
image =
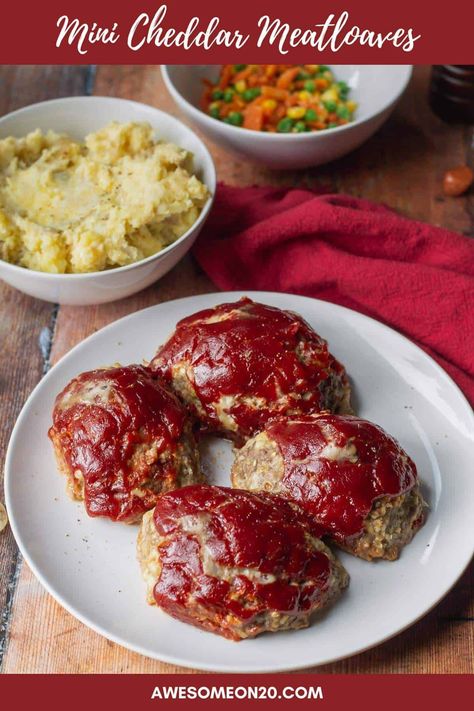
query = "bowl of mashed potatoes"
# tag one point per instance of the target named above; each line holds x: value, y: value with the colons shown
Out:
x: 99, y: 197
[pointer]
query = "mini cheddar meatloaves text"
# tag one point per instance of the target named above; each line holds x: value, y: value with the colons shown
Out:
x: 235, y: 563
x: 351, y: 476
x: 239, y: 364
x: 122, y: 438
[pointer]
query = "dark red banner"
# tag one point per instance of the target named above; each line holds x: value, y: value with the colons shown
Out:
x: 88, y: 32
x: 226, y: 691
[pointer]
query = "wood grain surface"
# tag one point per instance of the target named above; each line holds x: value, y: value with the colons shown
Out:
x: 402, y: 166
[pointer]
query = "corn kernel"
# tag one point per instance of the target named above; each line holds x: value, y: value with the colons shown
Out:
x: 296, y: 112
x: 351, y: 105
x: 241, y: 85
x: 269, y: 105
x: 331, y: 94
x: 304, y: 96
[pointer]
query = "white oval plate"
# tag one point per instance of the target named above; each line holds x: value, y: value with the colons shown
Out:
x: 89, y: 565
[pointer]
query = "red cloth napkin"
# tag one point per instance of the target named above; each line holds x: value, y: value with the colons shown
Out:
x: 417, y: 278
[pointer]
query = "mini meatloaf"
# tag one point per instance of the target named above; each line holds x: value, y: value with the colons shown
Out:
x: 350, y: 475
x: 121, y: 438
x: 235, y: 562
x: 239, y: 364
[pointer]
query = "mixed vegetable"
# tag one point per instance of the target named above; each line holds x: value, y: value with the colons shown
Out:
x: 279, y: 98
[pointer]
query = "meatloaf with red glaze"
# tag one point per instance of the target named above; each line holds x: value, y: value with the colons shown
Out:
x: 234, y: 562
x: 122, y: 438
x: 355, y: 480
x: 239, y: 364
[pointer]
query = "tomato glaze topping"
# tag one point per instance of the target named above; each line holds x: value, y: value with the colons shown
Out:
x: 260, y: 550
x: 267, y: 360
x: 101, y: 417
x: 336, y: 466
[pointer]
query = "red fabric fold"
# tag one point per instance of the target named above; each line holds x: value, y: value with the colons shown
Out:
x: 414, y: 277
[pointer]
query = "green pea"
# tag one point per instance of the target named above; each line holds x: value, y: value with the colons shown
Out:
x: 214, y: 111
x: 300, y: 127
x: 217, y: 95
x: 228, y: 95
x: 311, y: 115
x: 309, y: 85
x: 251, y: 94
x: 285, y: 125
x: 330, y: 106
x: 333, y: 125
x: 239, y: 67
x: 323, y: 68
x: 343, y: 89
x: 235, y: 118
x: 303, y: 75
x: 343, y: 112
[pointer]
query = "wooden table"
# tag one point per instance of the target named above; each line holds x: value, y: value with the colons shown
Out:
x: 402, y: 166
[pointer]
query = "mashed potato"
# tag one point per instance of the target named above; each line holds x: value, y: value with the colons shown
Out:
x: 70, y: 207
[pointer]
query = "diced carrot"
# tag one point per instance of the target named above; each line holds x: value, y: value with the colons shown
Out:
x: 322, y: 83
x: 244, y: 74
x: 226, y: 109
x: 226, y: 76
x: 253, y: 117
x: 271, y: 92
x: 237, y: 103
x: 285, y: 79
x: 279, y: 112
x: 292, y: 100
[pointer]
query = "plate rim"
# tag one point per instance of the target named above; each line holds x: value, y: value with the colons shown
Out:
x: 169, y: 658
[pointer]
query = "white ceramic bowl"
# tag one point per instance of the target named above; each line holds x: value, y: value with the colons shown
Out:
x: 78, y: 116
x: 376, y: 89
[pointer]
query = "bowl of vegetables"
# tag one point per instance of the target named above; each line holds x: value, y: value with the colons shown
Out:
x: 287, y: 116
